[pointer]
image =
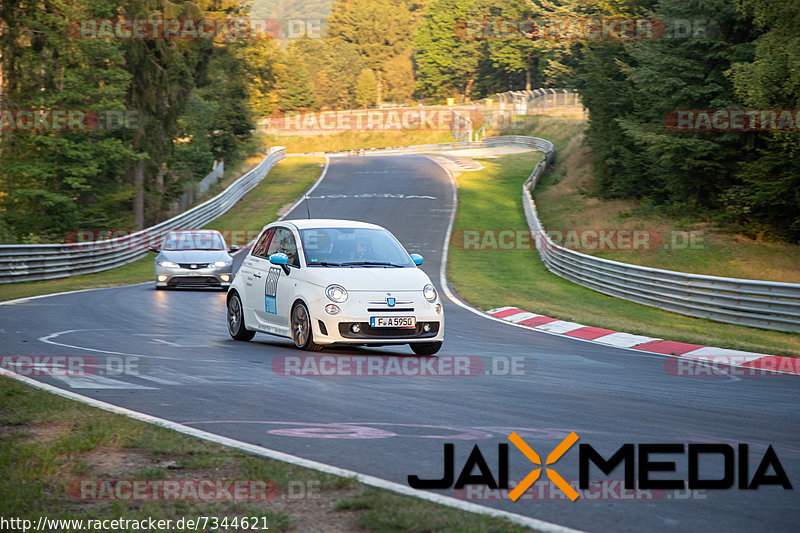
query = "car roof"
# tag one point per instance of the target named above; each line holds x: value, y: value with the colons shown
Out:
x: 308, y: 223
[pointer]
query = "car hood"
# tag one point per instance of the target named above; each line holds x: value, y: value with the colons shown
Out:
x: 369, y: 278
x: 193, y: 256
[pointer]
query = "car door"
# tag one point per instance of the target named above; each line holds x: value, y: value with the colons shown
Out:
x: 278, y: 285
x: 254, y: 268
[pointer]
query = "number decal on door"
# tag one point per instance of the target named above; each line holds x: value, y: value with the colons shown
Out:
x: 271, y: 290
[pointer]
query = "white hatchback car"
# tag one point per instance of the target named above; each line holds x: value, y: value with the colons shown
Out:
x: 322, y: 282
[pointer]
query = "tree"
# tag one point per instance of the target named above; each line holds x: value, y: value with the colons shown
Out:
x: 263, y: 66
x: 50, y: 178
x: 447, y: 64
x: 296, y: 91
x: 336, y: 66
x: 770, y: 194
x: 690, y: 169
x: 379, y: 30
x: 55, y: 181
x: 366, y: 89
x: 398, y: 77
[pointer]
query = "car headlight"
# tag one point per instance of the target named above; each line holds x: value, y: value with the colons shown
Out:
x: 168, y: 264
x: 336, y: 293
x: 221, y: 263
x: 429, y: 292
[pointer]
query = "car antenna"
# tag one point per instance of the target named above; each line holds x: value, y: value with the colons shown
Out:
x: 308, y: 212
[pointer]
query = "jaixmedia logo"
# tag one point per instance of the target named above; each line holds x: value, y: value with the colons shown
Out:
x: 641, y: 469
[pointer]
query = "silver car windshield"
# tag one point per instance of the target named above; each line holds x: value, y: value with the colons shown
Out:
x: 353, y: 247
x: 193, y: 240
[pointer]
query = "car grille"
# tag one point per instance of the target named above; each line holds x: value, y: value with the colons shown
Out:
x: 193, y: 281
x: 390, y: 310
x: 369, y: 332
x: 193, y: 266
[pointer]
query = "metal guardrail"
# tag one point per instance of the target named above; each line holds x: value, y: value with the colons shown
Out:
x: 33, y: 262
x: 761, y: 304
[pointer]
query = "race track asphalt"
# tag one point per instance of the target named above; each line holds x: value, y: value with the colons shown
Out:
x: 183, y: 366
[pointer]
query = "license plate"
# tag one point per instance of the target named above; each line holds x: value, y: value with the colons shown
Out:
x: 392, y: 321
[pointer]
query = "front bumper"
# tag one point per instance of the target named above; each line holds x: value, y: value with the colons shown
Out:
x: 360, y: 307
x: 199, y: 277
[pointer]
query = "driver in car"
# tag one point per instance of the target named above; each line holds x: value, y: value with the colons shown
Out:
x: 361, y: 251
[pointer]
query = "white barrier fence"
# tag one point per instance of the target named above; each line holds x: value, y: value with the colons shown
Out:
x: 32, y: 262
x: 762, y: 304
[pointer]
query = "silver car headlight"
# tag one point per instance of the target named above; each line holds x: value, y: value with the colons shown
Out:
x: 429, y: 292
x: 168, y: 264
x: 336, y: 293
x: 221, y: 263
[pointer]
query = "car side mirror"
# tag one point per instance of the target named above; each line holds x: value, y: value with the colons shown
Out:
x: 282, y: 260
x: 233, y: 248
x: 418, y: 259
x: 152, y: 249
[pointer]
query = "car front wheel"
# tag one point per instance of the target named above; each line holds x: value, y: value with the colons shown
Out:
x: 301, y: 329
x: 425, y: 348
x: 236, y: 320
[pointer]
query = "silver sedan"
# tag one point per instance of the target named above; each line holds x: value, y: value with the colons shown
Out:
x: 193, y: 258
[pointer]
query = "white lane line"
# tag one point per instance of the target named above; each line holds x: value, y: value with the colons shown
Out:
x: 448, y: 501
x: 49, y: 340
x: 250, y: 244
x: 309, y: 191
x: 453, y: 298
x: 25, y: 299
x: 98, y: 382
x: 187, y: 379
x: 165, y: 342
x: 158, y: 380
x: 624, y: 340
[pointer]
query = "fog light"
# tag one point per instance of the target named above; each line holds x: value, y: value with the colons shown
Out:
x: 438, y: 309
x: 426, y: 328
x: 332, y: 309
x: 162, y: 277
x: 355, y: 328
x: 224, y: 277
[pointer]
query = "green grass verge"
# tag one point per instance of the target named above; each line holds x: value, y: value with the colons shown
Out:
x: 350, y: 140
x: 49, y: 442
x: 284, y: 183
x: 567, y: 199
x: 382, y: 511
x: 492, y: 199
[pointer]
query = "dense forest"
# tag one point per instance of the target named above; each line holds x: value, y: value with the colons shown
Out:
x: 196, y: 101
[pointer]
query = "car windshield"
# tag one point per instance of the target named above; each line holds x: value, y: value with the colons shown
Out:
x: 353, y: 247
x: 193, y: 240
